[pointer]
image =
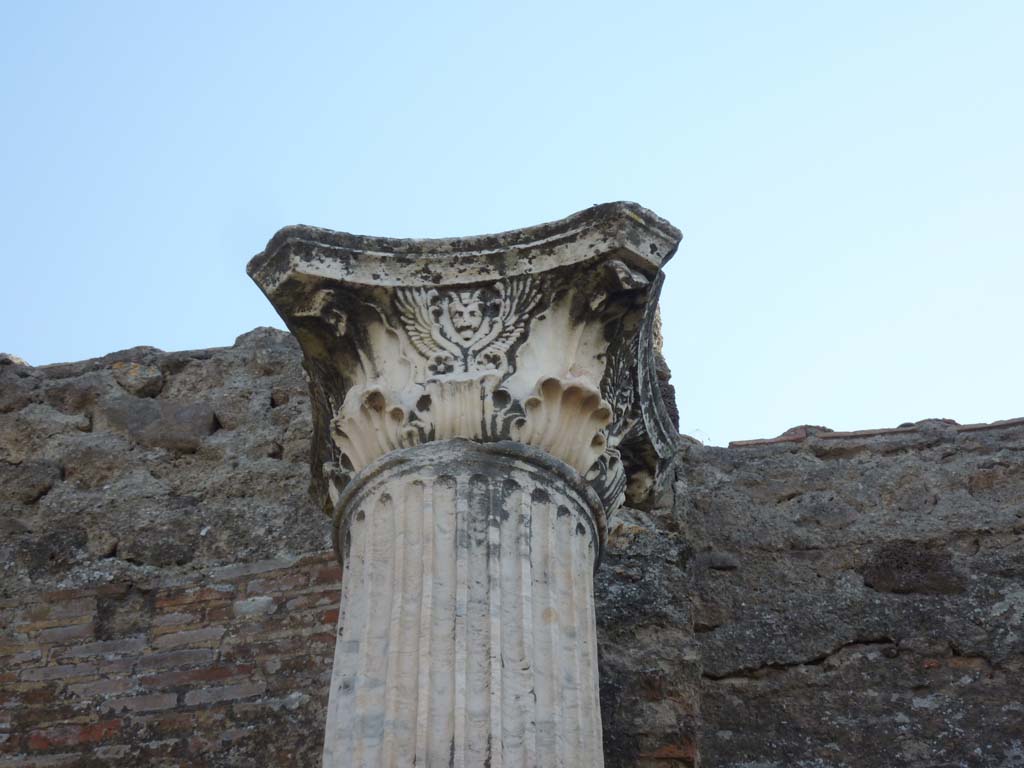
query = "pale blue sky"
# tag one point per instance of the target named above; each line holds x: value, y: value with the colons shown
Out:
x: 849, y: 176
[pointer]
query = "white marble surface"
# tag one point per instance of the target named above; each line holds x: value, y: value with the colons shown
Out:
x: 466, y: 634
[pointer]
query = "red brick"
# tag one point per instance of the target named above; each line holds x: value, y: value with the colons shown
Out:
x: 108, y: 667
x: 188, y: 595
x: 684, y: 752
x: 45, y: 714
x: 990, y: 425
x: 102, y: 590
x: 299, y: 642
x: 242, y: 570
x: 280, y: 583
x: 102, y: 687
x: 82, y: 606
x: 60, y: 672
x: 12, y: 647
x: 170, y: 659
x: 206, y: 636
x: 219, y: 612
x: 207, y: 674
x: 147, y: 703
x: 168, y: 722
x: 330, y: 574
x: 197, y: 623
x: 968, y: 662
x: 310, y: 600
x: 177, y: 619
x: 23, y: 658
x: 225, y: 693
x: 60, y: 635
x: 28, y: 694
x: 71, y: 735
x: 122, y: 646
x: 325, y: 556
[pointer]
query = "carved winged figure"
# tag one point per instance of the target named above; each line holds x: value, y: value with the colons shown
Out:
x: 471, y: 329
x: 515, y: 301
x: 424, y: 332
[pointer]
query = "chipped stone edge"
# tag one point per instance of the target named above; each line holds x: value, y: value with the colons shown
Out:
x: 410, y: 261
x: 433, y: 453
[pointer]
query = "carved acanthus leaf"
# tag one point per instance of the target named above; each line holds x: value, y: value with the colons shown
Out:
x: 567, y: 419
x: 369, y: 425
x: 373, y: 421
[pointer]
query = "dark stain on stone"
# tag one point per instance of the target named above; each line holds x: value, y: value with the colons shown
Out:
x: 906, y: 567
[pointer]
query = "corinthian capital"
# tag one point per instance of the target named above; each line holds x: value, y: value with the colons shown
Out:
x: 541, y: 336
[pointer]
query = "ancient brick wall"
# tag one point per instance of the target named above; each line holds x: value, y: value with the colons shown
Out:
x: 819, y: 600
x: 229, y: 667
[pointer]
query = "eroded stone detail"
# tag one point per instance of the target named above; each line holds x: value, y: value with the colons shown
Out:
x: 467, y: 633
x: 368, y: 425
x: 526, y: 358
x: 477, y: 415
x: 573, y: 300
x: 468, y: 329
x: 567, y: 419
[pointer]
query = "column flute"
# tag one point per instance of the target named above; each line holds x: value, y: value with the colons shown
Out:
x: 480, y: 405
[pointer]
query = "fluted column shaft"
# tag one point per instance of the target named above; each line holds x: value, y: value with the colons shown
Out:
x: 466, y: 634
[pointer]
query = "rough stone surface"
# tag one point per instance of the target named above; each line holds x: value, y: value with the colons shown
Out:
x: 96, y: 483
x: 138, y: 379
x: 875, y: 612
x: 819, y: 600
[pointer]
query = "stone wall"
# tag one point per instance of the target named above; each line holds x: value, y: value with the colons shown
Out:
x: 861, y: 601
x: 817, y: 600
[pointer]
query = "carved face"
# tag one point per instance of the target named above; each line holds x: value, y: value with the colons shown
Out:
x: 466, y: 312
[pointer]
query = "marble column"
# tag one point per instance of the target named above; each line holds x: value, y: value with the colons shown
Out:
x: 480, y: 406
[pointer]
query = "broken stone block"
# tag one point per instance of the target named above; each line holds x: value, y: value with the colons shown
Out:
x: 173, y: 425
x: 139, y: 380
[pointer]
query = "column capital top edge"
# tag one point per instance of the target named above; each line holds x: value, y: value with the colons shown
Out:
x: 637, y: 234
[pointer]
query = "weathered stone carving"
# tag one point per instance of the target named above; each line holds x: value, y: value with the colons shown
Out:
x: 467, y: 330
x: 566, y: 419
x: 480, y: 406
